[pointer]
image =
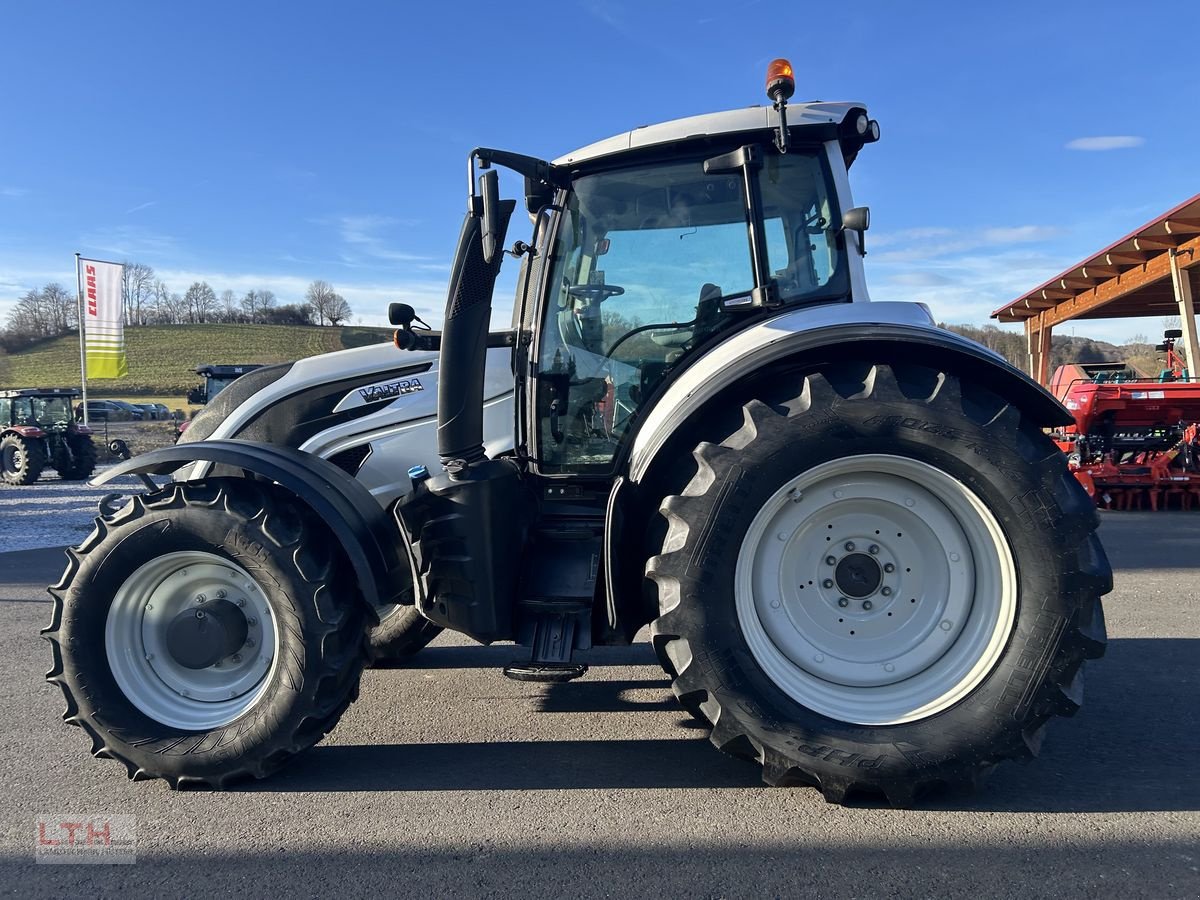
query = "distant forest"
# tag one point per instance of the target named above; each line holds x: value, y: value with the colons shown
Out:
x: 1064, y: 348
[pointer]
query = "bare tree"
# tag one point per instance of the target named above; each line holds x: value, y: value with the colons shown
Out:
x: 229, y: 306
x: 250, y: 305
x: 43, y: 313
x: 320, y: 296
x: 62, y: 308
x: 160, y: 304
x: 256, y: 303
x: 200, y: 301
x: 338, y: 310
x: 137, y: 288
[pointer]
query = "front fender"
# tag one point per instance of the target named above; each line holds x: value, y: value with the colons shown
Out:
x: 357, y: 521
x: 825, y: 333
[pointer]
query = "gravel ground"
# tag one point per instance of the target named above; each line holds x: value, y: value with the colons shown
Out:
x: 52, y: 512
x: 57, y: 513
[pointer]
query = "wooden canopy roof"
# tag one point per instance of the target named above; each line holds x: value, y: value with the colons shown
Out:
x: 1131, y: 277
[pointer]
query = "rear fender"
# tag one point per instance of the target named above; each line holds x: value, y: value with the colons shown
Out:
x: 355, y: 518
x: 813, y: 336
x: 828, y: 333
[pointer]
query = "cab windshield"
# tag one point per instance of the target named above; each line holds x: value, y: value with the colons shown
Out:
x: 644, y: 261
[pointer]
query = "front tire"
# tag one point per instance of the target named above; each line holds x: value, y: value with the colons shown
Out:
x: 22, y: 459
x: 884, y: 580
x: 189, y: 706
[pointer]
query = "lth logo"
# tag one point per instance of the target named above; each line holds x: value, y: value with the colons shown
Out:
x: 74, y: 838
x: 93, y: 835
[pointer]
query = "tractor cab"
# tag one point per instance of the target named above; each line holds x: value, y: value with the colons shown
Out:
x: 649, y: 251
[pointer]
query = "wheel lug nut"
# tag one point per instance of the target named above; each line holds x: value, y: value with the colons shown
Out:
x: 867, y: 604
x: 888, y: 567
x: 200, y: 598
x: 873, y: 549
x: 237, y: 657
x: 827, y: 583
x: 843, y: 602
x: 849, y: 545
x: 241, y: 601
x: 249, y: 642
x: 831, y: 560
x: 887, y: 592
x: 221, y: 595
x: 252, y: 622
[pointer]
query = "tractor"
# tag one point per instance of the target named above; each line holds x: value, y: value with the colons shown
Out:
x: 863, y: 564
x: 38, y: 429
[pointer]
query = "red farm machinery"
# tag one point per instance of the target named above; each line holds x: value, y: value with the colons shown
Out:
x: 1135, y: 443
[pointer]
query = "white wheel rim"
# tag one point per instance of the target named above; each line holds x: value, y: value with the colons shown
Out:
x: 923, y: 623
x: 143, y: 667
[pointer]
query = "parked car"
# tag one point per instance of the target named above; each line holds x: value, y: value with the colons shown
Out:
x: 103, y: 411
x: 136, y: 413
x: 149, y: 411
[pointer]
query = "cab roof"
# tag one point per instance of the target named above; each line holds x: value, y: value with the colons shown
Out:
x: 39, y: 392
x: 752, y: 118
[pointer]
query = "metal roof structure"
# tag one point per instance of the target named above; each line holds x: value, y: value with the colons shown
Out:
x: 1153, y: 270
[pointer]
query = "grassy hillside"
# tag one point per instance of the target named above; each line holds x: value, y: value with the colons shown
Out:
x: 163, y: 358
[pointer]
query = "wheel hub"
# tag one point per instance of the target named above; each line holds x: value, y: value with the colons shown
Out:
x: 201, y: 637
x: 858, y: 576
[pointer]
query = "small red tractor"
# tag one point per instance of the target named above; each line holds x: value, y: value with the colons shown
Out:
x: 1136, y: 439
x: 38, y: 429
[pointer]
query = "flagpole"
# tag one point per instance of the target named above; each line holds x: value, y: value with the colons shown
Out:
x: 82, y: 352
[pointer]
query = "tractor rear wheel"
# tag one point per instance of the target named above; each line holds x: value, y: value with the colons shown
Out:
x: 884, y: 580
x: 79, y: 463
x: 401, y: 632
x: 196, y: 636
x: 22, y: 459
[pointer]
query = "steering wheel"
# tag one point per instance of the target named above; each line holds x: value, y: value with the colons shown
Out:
x: 595, y: 291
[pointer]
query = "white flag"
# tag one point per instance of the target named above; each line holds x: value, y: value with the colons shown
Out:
x: 104, y: 319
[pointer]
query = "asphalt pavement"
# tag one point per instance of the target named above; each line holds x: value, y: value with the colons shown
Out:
x: 446, y: 779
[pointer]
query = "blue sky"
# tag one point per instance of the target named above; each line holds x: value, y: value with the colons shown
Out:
x: 268, y: 144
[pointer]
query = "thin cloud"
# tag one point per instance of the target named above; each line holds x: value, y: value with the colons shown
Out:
x: 13, y: 191
x: 360, y: 234
x: 141, y: 206
x: 917, y: 244
x: 1106, y: 142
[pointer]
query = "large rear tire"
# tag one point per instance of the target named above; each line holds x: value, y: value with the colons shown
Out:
x: 271, y: 666
x: 22, y: 459
x: 401, y: 632
x: 883, y: 581
x: 80, y: 462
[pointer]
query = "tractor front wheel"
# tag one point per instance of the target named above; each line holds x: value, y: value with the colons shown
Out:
x: 22, y: 459
x: 884, y: 579
x: 199, y: 635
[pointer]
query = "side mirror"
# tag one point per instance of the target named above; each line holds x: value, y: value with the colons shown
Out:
x: 858, y: 220
x: 489, y: 187
x: 401, y: 314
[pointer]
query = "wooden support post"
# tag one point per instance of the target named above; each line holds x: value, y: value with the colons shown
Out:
x: 1181, y: 281
x: 1037, y: 338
